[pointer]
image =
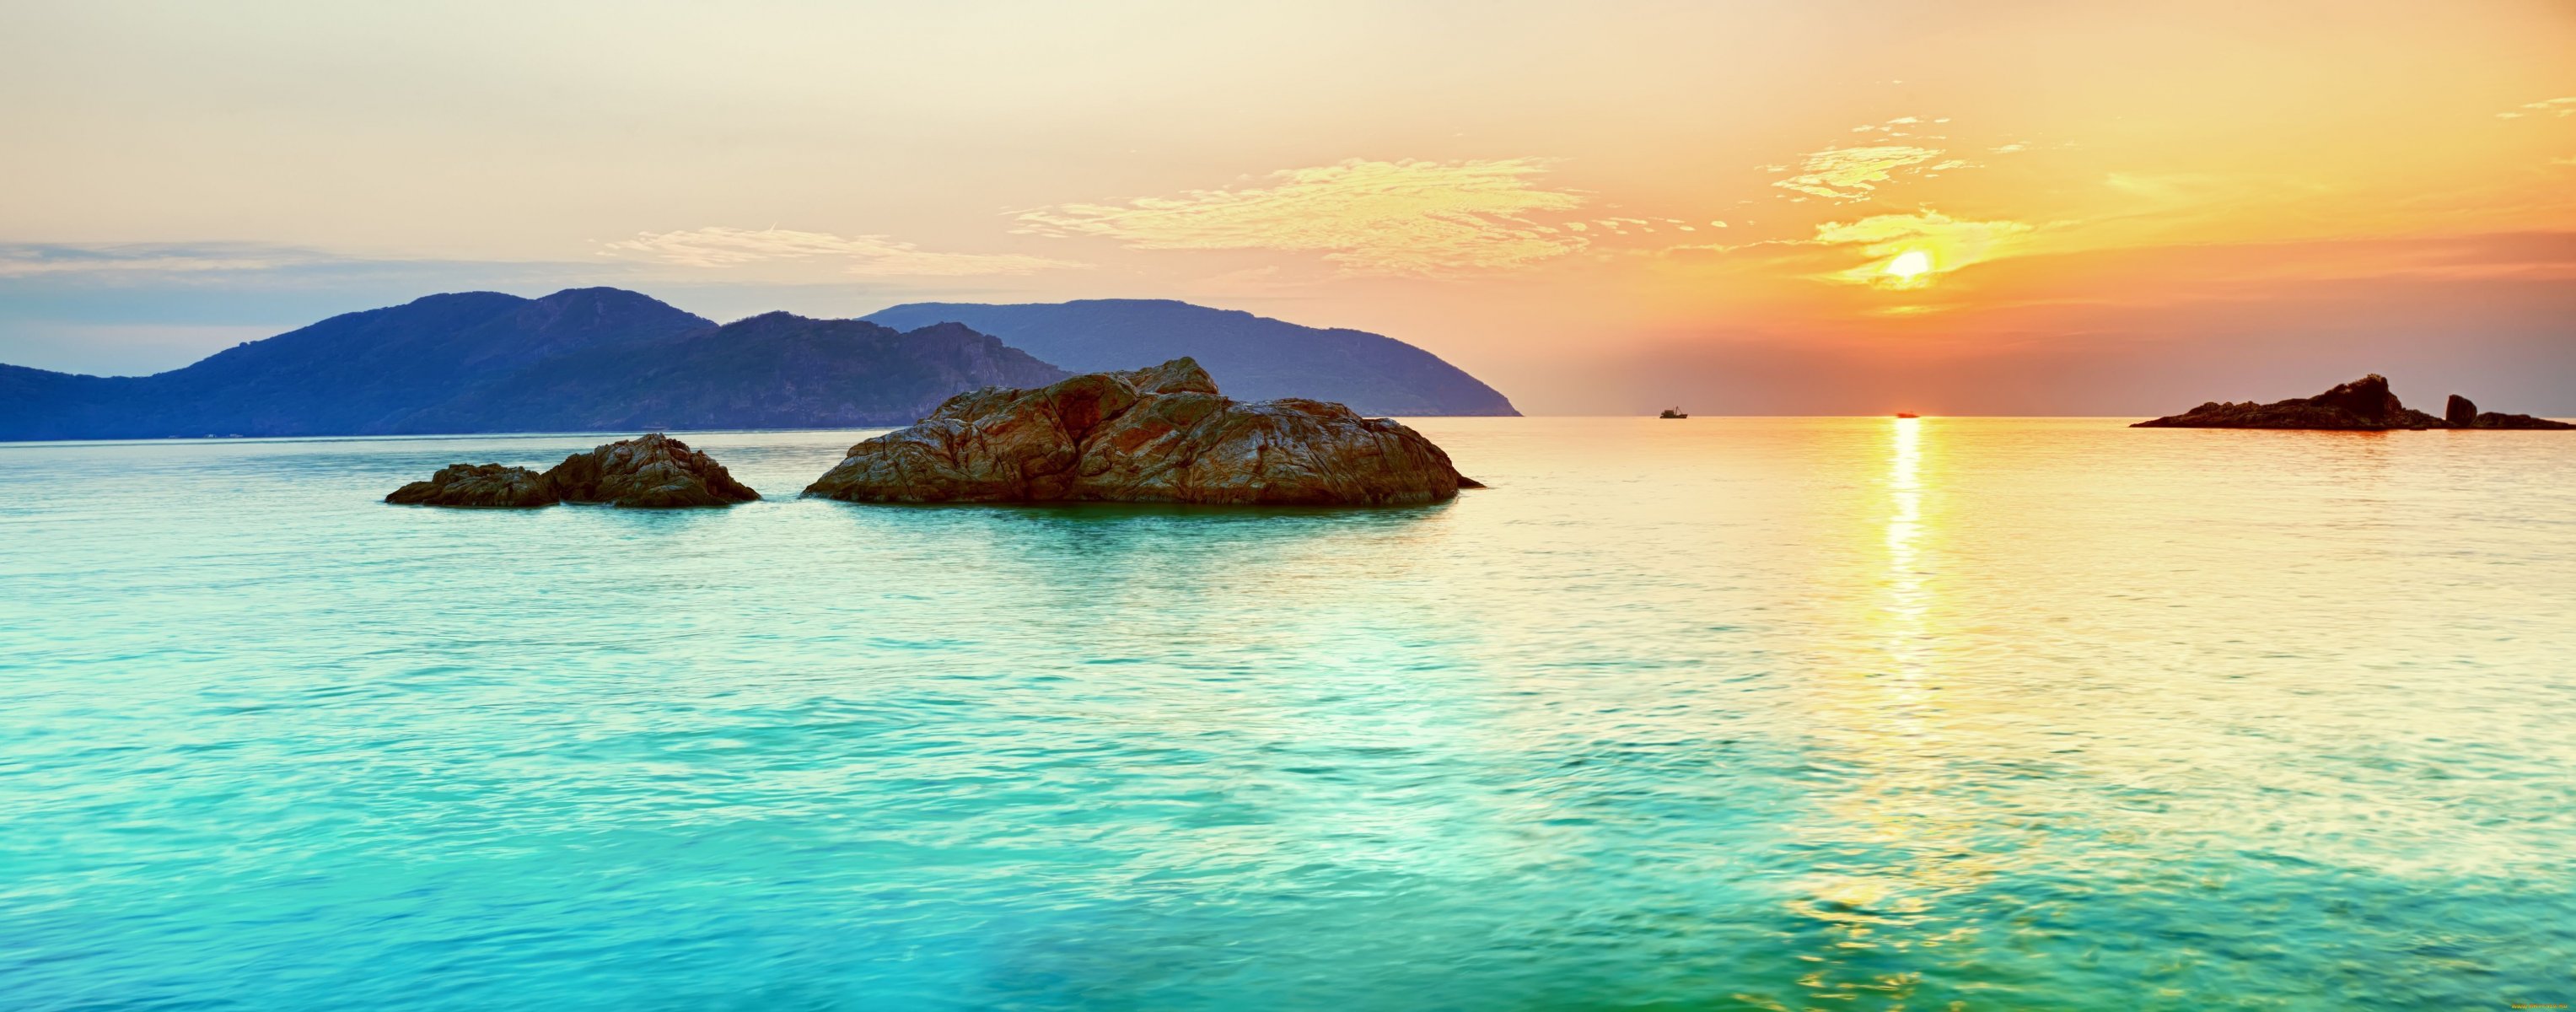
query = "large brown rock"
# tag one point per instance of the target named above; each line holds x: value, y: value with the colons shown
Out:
x: 479, y: 485
x: 652, y: 471
x: 648, y: 472
x: 2459, y: 412
x: 1150, y: 435
x: 2363, y: 404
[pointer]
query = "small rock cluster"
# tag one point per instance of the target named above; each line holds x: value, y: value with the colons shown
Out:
x: 2365, y: 404
x: 1159, y: 435
x: 648, y: 472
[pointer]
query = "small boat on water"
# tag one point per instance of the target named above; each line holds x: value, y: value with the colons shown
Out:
x: 1672, y: 413
x: 1907, y: 414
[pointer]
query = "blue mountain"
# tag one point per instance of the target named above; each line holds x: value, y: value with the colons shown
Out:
x: 581, y: 359
x: 1251, y: 357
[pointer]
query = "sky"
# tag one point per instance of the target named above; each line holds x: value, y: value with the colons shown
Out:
x: 1738, y: 208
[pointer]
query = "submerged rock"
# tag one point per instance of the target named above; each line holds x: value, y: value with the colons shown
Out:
x: 648, y: 472
x: 1162, y: 434
x: 479, y: 485
x: 2364, y: 404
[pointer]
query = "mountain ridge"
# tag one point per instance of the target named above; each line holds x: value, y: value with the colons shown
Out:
x: 583, y: 358
x: 596, y: 359
x: 1252, y: 357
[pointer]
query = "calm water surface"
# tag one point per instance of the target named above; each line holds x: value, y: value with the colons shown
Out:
x: 1723, y: 713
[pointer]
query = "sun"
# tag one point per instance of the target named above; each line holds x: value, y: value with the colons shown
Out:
x: 1910, y: 265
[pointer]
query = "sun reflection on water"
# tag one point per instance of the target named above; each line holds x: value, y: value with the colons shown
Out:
x: 1902, y: 840
x: 1906, y: 589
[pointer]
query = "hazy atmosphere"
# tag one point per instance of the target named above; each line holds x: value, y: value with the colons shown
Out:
x: 1750, y: 209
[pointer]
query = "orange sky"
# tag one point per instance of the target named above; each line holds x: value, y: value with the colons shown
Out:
x: 2088, y: 209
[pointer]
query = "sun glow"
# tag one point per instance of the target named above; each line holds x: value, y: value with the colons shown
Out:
x: 1908, y: 251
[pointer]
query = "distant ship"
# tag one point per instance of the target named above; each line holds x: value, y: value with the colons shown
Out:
x: 1672, y: 413
x: 1907, y: 414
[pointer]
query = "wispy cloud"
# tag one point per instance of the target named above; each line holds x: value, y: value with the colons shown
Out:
x: 864, y: 255
x: 26, y: 260
x: 1902, y: 126
x: 1854, y: 173
x: 2170, y: 187
x: 1413, y: 218
x: 2554, y: 107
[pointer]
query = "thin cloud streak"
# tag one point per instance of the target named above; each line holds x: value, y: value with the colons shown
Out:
x: 2553, y: 107
x: 1404, y: 218
x: 27, y: 260
x: 863, y: 255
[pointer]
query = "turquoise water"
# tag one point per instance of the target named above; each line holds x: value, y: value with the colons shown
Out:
x: 1724, y: 713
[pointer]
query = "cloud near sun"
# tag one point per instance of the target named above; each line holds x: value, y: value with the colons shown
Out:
x: 1908, y: 250
x: 868, y: 255
x: 1412, y: 218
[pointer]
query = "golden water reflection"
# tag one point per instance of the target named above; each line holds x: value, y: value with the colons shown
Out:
x: 1895, y: 821
x: 1907, y: 602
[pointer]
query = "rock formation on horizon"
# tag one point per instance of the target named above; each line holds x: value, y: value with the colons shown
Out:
x: 2495, y: 420
x: 2365, y: 404
x: 652, y: 471
x: 1162, y: 434
x: 2461, y: 413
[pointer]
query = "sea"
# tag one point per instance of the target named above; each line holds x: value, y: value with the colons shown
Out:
x: 1715, y: 713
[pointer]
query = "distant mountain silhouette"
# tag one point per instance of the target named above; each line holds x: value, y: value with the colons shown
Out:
x: 591, y: 358
x: 1251, y: 357
x: 772, y: 371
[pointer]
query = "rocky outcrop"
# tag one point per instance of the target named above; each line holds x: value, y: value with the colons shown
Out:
x: 648, y: 472
x: 479, y: 485
x: 2493, y: 420
x: 1162, y: 434
x: 2363, y: 404
x: 2461, y: 413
